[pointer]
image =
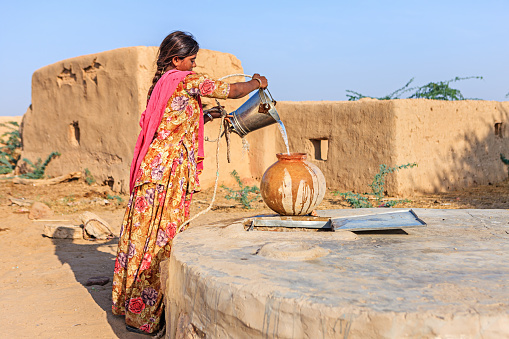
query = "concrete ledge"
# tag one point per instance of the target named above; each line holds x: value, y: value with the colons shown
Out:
x: 448, y: 279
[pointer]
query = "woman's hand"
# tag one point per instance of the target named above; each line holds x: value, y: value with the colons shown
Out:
x: 212, y: 113
x: 262, y: 82
x: 241, y: 89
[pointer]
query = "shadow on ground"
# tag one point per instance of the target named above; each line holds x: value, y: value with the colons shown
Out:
x: 93, y: 259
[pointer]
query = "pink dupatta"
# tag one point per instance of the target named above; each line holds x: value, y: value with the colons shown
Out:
x: 151, y: 119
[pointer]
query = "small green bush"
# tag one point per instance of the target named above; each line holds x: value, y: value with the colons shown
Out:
x: 39, y: 167
x: 9, y: 154
x: 433, y: 90
x: 357, y: 200
x: 89, y: 178
x: 242, y: 194
x: 68, y: 199
x: 505, y: 161
x: 115, y: 197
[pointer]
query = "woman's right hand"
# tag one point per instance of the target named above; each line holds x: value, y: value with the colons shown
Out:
x: 263, y: 83
x: 241, y: 89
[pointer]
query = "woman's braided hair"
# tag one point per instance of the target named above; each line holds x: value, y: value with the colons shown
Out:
x: 177, y: 44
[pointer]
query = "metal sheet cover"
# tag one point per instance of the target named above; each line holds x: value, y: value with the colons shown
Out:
x: 380, y: 221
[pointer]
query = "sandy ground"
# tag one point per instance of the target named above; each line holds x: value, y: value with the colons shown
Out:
x: 42, y: 285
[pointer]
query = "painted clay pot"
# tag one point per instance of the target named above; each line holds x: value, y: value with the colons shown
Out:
x: 292, y: 185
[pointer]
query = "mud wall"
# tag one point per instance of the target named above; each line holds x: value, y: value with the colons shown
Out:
x: 88, y: 108
x: 346, y: 140
x: 455, y: 143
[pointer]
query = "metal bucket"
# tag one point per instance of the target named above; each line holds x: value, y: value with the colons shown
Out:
x: 257, y: 112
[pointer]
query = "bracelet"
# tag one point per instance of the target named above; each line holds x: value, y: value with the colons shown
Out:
x: 210, y: 116
x: 259, y: 82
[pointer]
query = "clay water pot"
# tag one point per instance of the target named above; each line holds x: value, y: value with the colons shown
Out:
x: 292, y: 185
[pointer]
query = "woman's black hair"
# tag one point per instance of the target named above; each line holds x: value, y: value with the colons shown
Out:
x: 177, y: 44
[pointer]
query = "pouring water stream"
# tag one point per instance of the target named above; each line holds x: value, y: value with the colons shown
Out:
x: 282, y: 129
x: 272, y: 112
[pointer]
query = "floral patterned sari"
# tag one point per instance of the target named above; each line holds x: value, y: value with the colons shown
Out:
x: 159, y: 204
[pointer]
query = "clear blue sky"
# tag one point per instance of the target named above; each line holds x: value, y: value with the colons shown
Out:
x: 309, y: 50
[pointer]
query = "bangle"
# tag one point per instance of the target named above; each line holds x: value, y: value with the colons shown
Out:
x: 260, y: 85
x: 210, y: 116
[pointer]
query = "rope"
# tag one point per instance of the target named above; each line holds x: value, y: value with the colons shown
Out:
x: 235, y: 75
x: 226, y: 77
x: 206, y: 138
x: 223, y: 116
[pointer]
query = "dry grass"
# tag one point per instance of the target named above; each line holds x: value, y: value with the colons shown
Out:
x: 77, y: 196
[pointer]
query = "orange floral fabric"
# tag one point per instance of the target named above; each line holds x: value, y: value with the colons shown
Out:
x: 179, y: 129
x: 159, y: 204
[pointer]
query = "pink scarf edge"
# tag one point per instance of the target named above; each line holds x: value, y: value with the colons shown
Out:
x: 151, y: 119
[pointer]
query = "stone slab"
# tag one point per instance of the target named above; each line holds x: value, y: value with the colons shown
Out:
x: 59, y: 231
x: 449, y: 279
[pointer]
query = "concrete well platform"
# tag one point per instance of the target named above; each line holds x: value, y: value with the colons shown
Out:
x: 447, y: 280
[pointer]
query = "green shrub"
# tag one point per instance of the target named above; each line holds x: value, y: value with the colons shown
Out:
x: 39, y: 167
x: 115, y: 197
x: 505, y: 161
x: 357, y: 200
x: 242, y: 194
x: 9, y: 154
x: 89, y: 178
x: 68, y: 199
x: 433, y: 90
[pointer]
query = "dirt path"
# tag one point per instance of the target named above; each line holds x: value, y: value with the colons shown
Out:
x: 43, y: 292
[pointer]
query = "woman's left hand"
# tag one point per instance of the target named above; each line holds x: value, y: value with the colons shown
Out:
x: 211, y: 114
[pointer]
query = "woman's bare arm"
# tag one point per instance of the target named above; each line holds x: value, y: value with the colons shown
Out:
x: 241, y: 89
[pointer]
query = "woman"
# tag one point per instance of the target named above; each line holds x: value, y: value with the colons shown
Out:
x: 164, y: 175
